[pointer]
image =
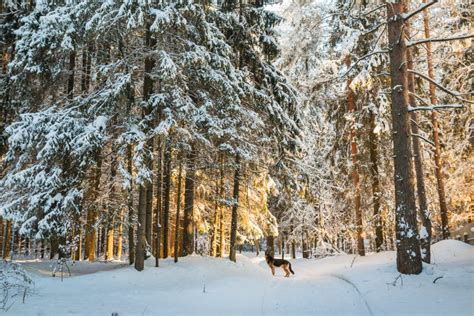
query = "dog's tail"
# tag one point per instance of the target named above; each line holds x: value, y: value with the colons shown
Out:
x: 291, y: 270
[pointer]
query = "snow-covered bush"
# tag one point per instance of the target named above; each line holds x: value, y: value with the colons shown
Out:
x: 14, y: 283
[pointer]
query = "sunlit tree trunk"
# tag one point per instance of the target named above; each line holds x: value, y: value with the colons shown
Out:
x: 178, y: 207
x: 188, y: 236
x: 434, y: 121
x: 408, y: 250
x: 222, y: 209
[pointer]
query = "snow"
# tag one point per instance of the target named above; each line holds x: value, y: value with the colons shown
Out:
x: 339, y: 285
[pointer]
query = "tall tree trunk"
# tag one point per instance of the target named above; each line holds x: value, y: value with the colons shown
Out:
x: 118, y: 249
x: 178, y: 206
x: 2, y: 241
x: 235, y: 205
x: 374, y: 174
x: 70, y: 81
x: 111, y: 207
x: 408, y: 250
x: 355, y: 172
x: 159, y: 194
x: 188, y: 238
x: 145, y: 203
x: 222, y: 209
x: 141, y: 219
x: 166, y: 198
x: 131, y: 213
x: 7, y: 239
x: 92, y: 214
x: 434, y: 121
x: 425, y: 231
x: 215, y: 226
x: 149, y: 197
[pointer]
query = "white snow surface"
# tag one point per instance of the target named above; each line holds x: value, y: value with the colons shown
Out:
x: 209, y: 286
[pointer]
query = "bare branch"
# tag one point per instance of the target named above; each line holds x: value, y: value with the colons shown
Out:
x: 435, y: 107
x: 446, y: 90
x: 375, y: 28
x: 447, y: 39
x: 425, y: 6
x: 362, y: 58
x: 423, y: 138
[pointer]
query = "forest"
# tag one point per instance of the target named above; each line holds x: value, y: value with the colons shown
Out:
x: 141, y: 133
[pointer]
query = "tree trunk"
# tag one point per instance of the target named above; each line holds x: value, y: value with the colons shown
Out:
x: 141, y: 219
x: 434, y: 121
x: 159, y: 194
x: 222, y: 208
x: 149, y: 196
x: 7, y: 239
x: 215, y: 230
x: 374, y: 174
x: 188, y: 238
x: 178, y: 206
x: 166, y: 198
x: 111, y: 207
x: 408, y: 251
x: 70, y: 81
x: 131, y: 215
x: 118, y: 249
x: 355, y: 172
x: 425, y: 231
x: 92, y: 212
x: 235, y: 205
x: 271, y: 245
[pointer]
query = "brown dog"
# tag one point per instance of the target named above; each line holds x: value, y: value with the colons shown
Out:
x: 284, y: 264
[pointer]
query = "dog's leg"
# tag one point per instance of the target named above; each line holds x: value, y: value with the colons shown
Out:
x: 273, y: 270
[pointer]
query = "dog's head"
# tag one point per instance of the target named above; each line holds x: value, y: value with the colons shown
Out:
x: 268, y: 253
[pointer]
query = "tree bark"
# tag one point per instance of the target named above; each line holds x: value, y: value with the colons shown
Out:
x: 178, y: 206
x: 425, y: 231
x: 92, y: 213
x: 166, y: 198
x: 235, y: 205
x: 215, y: 229
x: 271, y: 245
x: 188, y: 237
x: 355, y: 172
x: 70, y: 81
x: 408, y: 251
x: 7, y: 239
x: 159, y: 195
x: 434, y: 121
x: 374, y: 174
x: 141, y: 238
x: 131, y: 215
x: 222, y: 208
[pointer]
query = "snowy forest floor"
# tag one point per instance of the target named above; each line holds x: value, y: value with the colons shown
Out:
x: 208, y: 286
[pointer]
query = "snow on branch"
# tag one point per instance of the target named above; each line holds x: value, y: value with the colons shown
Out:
x: 444, y: 89
x: 435, y: 107
x: 446, y: 39
x: 362, y: 58
x: 425, y: 6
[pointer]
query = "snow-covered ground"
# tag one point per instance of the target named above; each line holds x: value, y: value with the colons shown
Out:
x: 209, y: 286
